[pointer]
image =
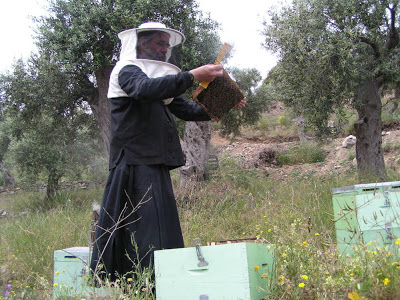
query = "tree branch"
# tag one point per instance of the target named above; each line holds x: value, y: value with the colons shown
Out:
x: 393, y: 36
x: 374, y: 46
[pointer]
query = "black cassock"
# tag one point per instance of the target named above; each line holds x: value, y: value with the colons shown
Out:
x: 138, y: 206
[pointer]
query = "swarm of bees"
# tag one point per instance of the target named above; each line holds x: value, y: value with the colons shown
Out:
x: 221, y: 95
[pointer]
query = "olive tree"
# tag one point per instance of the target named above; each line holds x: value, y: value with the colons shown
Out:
x: 49, y: 131
x: 337, y: 53
x: 82, y: 35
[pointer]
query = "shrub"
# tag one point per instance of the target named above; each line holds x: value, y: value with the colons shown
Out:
x: 283, y: 120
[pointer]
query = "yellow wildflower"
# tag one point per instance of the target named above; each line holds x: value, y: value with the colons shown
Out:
x: 397, y: 241
x: 130, y: 279
x: 386, y: 281
x: 284, y: 254
x: 57, y: 273
x: 256, y: 268
x: 316, y: 234
x: 282, y: 277
x: 55, y: 284
x: 305, y: 243
x: 304, y: 277
x: 301, y: 284
x: 353, y: 296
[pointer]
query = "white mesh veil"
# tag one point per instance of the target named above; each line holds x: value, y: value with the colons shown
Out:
x: 129, y: 40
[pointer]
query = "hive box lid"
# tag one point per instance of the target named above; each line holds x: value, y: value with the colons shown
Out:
x: 353, y: 188
x: 230, y: 272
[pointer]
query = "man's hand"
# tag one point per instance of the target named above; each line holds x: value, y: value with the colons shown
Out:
x: 241, y: 104
x: 207, y: 72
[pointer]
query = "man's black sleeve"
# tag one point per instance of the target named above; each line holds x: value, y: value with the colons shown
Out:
x: 140, y: 87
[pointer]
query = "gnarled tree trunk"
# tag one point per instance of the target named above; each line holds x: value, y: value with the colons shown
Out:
x: 100, y: 105
x: 368, y: 128
x: 196, y: 148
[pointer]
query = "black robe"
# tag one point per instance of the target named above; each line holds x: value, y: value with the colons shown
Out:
x: 138, y: 213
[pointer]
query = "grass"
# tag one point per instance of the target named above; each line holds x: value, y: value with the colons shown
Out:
x: 296, y: 216
x: 309, y: 153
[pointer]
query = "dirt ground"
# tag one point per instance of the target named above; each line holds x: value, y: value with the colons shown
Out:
x: 338, y: 160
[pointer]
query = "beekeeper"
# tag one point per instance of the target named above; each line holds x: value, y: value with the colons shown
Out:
x: 138, y: 205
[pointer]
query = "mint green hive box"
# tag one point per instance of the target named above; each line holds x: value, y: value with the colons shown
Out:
x: 215, y: 272
x: 366, y: 213
x: 71, y: 274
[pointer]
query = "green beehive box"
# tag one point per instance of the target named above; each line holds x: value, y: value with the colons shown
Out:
x: 366, y: 213
x: 215, y: 272
x: 71, y: 274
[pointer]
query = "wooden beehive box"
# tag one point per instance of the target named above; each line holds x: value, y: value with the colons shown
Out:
x: 366, y: 213
x: 221, y: 95
x: 230, y: 272
x: 71, y: 275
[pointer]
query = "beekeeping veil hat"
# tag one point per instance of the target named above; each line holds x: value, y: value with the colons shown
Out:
x: 151, y: 67
x: 130, y: 39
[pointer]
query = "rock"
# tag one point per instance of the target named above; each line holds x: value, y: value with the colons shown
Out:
x: 349, y: 141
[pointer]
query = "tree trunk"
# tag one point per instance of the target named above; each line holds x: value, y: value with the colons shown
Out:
x: 196, y: 148
x: 301, y: 130
x: 52, y: 184
x: 100, y: 105
x: 369, y: 155
x: 8, y: 178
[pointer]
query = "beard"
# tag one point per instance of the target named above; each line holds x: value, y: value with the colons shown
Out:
x: 147, y: 53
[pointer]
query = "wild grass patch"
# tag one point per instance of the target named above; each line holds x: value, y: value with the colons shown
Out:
x: 296, y: 216
x: 303, y: 153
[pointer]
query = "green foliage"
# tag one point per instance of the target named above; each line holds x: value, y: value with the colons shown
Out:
x: 283, y: 120
x: 51, y: 134
x: 343, y: 54
x: 258, y: 101
x: 84, y: 32
x: 262, y: 124
x: 324, y: 59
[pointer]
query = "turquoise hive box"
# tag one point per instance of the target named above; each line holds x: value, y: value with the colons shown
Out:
x: 71, y: 274
x: 366, y: 213
x: 233, y: 271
